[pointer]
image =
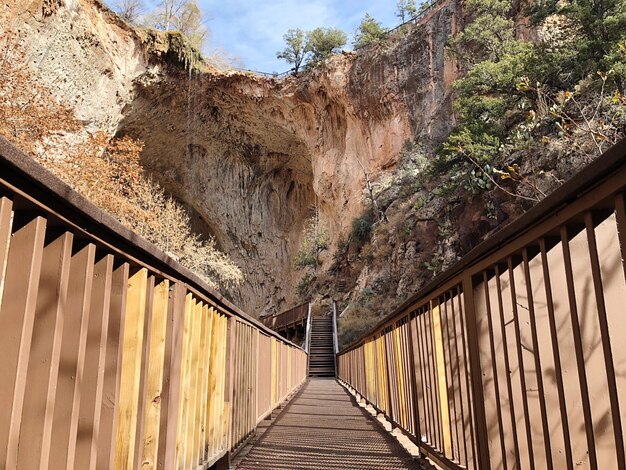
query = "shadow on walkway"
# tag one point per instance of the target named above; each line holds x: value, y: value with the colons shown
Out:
x: 323, y: 428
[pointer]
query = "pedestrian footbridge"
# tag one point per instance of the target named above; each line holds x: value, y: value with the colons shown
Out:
x: 113, y: 356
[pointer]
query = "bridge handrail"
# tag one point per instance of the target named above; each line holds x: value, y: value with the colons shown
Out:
x: 156, y: 366
x: 335, y: 337
x: 426, y: 8
x: 283, y: 320
x: 307, y: 339
x: 435, y: 367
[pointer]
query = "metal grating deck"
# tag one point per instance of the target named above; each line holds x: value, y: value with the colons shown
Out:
x: 322, y: 428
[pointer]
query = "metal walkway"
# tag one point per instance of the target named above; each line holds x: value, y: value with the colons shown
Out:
x: 323, y: 428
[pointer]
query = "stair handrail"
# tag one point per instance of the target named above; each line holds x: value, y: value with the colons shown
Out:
x: 335, y: 339
x: 307, y: 339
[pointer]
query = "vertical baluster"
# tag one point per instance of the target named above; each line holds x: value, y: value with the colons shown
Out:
x: 17, y: 317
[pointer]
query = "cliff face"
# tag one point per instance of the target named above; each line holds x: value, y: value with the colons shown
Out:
x: 250, y: 157
x: 81, y: 51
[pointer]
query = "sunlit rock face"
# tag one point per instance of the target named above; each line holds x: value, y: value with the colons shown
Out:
x: 250, y: 157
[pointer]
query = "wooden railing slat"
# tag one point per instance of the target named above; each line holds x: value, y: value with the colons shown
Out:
x: 17, y: 317
x: 113, y: 355
x: 71, y: 368
x: 36, y: 428
x: 131, y: 370
x: 156, y: 364
x: 93, y: 377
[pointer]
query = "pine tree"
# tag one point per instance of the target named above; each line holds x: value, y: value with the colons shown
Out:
x: 294, y: 53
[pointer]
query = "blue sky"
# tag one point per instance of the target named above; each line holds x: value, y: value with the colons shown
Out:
x: 252, y: 30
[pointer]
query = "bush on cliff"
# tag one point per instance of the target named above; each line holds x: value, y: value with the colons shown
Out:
x: 564, y: 90
x: 105, y: 170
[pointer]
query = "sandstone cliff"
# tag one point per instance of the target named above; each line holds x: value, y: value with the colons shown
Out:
x: 249, y: 156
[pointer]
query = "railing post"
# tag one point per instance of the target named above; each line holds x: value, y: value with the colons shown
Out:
x: 478, y: 401
x: 389, y: 401
x: 229, y: 382
x: 416, y: 422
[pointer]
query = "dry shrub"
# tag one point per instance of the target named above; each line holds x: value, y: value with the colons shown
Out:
x: 355, y: 322
x: 106, y: 171
x: 29, y: 115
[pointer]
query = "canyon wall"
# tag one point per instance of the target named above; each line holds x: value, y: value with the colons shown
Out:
x: 250, y: 157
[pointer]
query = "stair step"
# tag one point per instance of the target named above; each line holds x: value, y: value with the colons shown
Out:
x: 322, y: 350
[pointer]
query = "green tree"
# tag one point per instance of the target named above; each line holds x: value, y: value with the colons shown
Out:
x: 406, y: 9
x: 488, y: 35
x: 487, y: 95
x: 588, y: 39
x: 295, y: 52
x: 370, y: 31
x: 316, y: 240
x: 322, y: 42
x: 518, y: 95
x: 362, y: 228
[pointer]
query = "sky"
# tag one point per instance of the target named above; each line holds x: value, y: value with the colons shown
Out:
x: 252, y: 30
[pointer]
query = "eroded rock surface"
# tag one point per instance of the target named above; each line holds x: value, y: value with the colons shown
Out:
x: 249, y: 156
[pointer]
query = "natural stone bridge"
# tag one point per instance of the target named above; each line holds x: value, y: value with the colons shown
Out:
x: 114, y: 356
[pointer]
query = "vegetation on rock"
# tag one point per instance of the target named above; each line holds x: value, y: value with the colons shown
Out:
x: 315, y: 241
x: 370, y: 31
x: 520, y: 99
x: 311, y: 48
x: 173, y: 47
x: 406, y: 9
x: 183, y: 16
x: 130, y: 10
x: 105, y: 170
x: 295, y: 51
x: 322, y: 42
x: 530, y: 109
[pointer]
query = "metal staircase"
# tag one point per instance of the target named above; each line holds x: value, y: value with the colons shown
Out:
x: 322, y: 347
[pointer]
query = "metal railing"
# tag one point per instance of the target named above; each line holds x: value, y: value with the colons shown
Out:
x: 266, y: 74
x: 513, y: 358
x: 425, y: 9
x: 112, y: 354
x: 287, y: 319
x: 307, y: 337
x: 335, y: 336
